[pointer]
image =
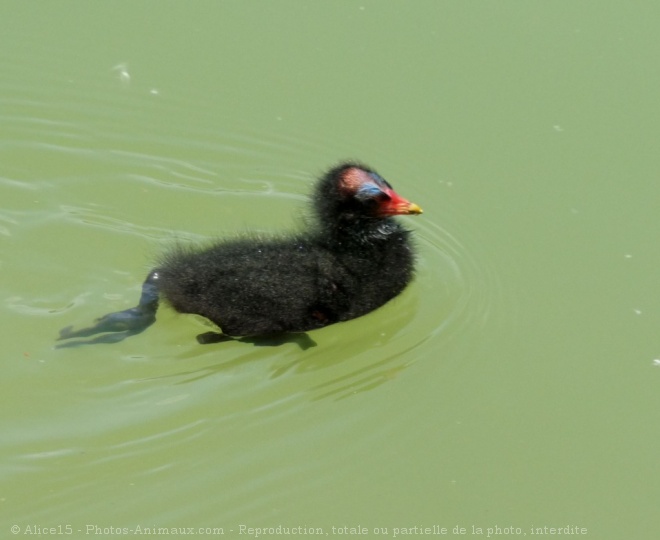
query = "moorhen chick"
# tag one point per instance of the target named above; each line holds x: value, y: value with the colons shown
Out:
x: 352, y: 260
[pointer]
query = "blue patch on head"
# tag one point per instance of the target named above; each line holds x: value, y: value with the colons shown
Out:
x: 379, y: 179
x: 368, y: 191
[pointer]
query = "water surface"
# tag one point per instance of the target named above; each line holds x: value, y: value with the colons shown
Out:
x: 514, y: 384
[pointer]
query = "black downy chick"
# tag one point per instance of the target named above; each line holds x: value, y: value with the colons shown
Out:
x: 353, y: 259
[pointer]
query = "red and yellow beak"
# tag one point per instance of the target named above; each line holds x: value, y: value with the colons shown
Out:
x: 398, y: 206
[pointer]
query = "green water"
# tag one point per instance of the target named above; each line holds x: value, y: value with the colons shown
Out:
x: 514, y: 386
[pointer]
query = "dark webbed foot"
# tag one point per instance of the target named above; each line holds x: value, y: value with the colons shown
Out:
x: 118, y: 326
x: 301, y: 339
x: 207, y: 338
